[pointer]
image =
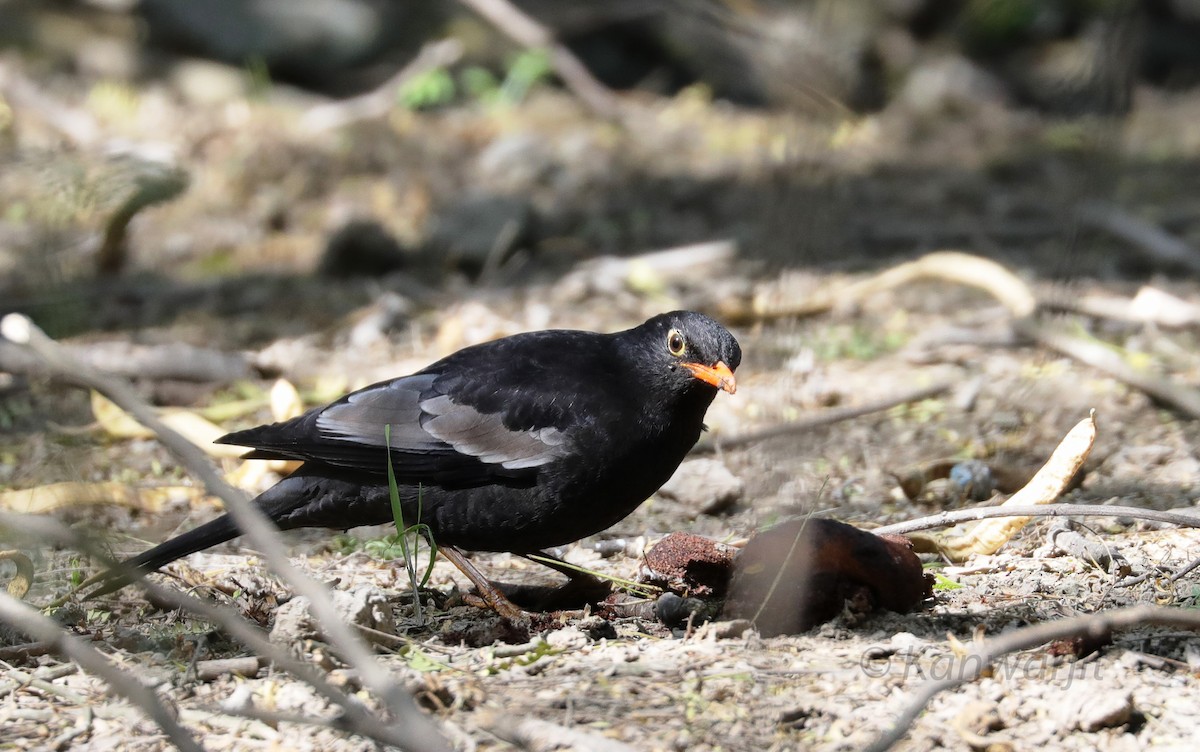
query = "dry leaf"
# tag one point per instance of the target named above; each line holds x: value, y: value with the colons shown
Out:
x: 120, y: 424
x: 44, y: 499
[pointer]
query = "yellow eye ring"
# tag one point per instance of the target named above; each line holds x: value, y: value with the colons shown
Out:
x: 675, y: 343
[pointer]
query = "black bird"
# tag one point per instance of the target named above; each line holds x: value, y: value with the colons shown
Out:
x: 524, y: 443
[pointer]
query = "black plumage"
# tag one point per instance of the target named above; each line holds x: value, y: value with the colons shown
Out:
x: 519, y: 444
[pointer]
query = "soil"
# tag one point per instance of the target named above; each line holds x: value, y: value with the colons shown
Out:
x: 233, y: 264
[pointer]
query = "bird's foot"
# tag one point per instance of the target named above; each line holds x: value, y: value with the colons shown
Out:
x: 489, y: 594
x: 504, y: 608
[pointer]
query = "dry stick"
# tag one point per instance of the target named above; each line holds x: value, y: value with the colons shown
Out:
x: 527, y: 32
x: 828, y: 417
x: 44, y: 628
x: 1092, y: 626
x: 422, y: 735
x: 1043, y: 488
x: 358, y: 719
x: 380, y: 101
x: 1145, y: 237
x: 1103, y: 359
x: 949, y: 519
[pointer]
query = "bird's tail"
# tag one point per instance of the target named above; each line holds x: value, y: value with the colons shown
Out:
x: 207, y: 535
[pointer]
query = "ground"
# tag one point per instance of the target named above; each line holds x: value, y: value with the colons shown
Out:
x: 231, y: 265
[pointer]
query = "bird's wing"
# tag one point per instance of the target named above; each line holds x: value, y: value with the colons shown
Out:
x: 433, y: 437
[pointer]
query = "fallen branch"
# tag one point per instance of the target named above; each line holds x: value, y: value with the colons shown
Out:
x: 1093, y: 627
x: 950, y: 266
x: 262, y: 534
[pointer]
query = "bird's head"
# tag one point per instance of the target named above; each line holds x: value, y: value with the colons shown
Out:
x: 685, y: 350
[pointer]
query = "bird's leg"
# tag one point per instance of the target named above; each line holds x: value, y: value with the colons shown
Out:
x: 490, y: 594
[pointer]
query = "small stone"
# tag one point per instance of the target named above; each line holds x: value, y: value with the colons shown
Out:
x: 568, y: 638
x: 704, y: 485
x: 367, y: 607
x: 1090, y: 706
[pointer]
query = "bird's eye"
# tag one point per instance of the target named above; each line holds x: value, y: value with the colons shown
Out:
x: 675, y: 343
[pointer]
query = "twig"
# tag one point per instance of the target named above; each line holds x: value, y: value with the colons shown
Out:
x: 1103, y: 359
x: 527, y: 32
x: 1153, y: 241
x: 380, y: 101
x: 250, y: 520
x: 1192, y: 566
x: 358, y: 720
x: 1092, y: 626
x: 21, y: 679
x: 1043, y: 488
x: 948, y: 519
x: 31, y: 622
x: 828, y: 417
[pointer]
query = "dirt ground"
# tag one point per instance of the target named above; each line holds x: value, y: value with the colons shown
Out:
x: 232, y: 264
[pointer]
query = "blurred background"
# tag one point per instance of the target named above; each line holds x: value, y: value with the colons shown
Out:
x: 169, y: 145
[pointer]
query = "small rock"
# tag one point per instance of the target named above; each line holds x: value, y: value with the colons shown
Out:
x: 704, y: 485
x: 598, y: 628
x: 728, y: 629
x: 568, y: 638
x: 365, y: 606
x: 240, y: 700
x: 951, y: 84
x: 516, y: 162
x: 676, y: 612
x: 1091, y: 706
x: 907, y: 643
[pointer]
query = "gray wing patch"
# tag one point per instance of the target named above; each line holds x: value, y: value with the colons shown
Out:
x: 363, y: 415
x: 484, y: 435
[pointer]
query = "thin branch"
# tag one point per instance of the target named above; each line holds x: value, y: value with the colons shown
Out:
x: 1151, y: 240
x: 828, y: 417
x: 380, y: 101
x: 1093, y: 626
x: 1103, y: 359
x: 29, y: 621
x: 261, y: 532
x: 951, y: 518
x: 358, y: 719
x: 527, y: 32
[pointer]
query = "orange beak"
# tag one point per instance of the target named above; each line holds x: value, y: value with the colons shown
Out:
x: 718, y: 375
